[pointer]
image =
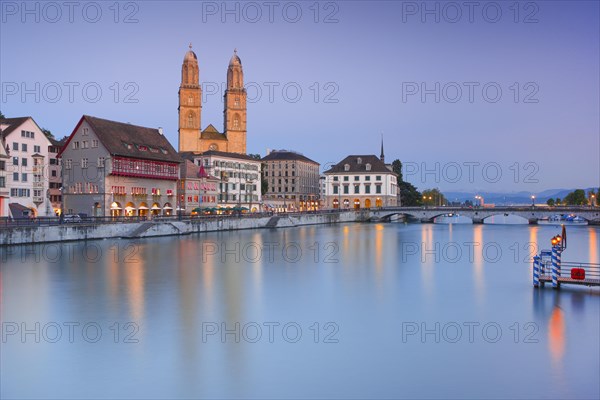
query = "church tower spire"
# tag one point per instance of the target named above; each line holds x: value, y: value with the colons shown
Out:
x: 190, y: 103
x: 382, y: 156
x: 234, y: 114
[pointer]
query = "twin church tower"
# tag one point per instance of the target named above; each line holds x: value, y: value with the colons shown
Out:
x: 191, y: 137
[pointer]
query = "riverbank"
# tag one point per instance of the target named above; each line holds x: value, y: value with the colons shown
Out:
x: 19, y: 235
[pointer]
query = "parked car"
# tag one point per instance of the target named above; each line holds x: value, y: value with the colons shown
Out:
x: 72, y: 218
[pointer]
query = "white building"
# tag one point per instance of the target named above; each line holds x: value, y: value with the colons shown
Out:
x: 26, y: 168
x: 239, y: 176
x: 361, y: 181
x: 4, y: 192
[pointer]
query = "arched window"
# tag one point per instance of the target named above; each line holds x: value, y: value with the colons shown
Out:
x: 190, y: 121
x: 236, y: 122
x: 346, y: 167
x: 191, y: 100
x: 368, y: 167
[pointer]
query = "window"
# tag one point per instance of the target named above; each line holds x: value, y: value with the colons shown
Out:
x: 368, y: 167
x: 84, y: 144
x: 345, y: 179
x: 75, y: 145
x: 356, y: 189
x: 367, y: 189
x: 346, y: 167
x: 359, y: 160
x: 68, y: 163
x: 85, y: 132
x: 14, y: 192
x: 94, y: 143
x: 378, y: 178
x: 24, y: 162
x: 84, y: 163
x: 356, y: 177
x: 2, y: 182
x: 2, y: 165
x: 37, y: 149
x: 53, y: 173
x: 24, y: 177
x: 16, y: 176
x: 15, y: 146
x: 346, y: 189
x: 100, y: 161
x: 15, y: 161
x: 368, y: 178
x: 335, y: 179
x: 335, y: 190
x: 378, y: 189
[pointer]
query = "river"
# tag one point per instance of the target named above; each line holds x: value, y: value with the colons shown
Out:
x: 347, y: 311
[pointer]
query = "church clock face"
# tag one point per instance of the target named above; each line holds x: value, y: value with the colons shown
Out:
x: 212, y: 147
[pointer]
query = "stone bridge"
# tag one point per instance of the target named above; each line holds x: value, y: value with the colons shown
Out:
x: 479, y: 214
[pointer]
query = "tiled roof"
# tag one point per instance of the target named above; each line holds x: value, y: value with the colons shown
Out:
x: 355, y: 167
x: 127, y: 140
x: 190, y: 155
x: 13, y: 123
x: 286, y: 155
x: 210, y: 132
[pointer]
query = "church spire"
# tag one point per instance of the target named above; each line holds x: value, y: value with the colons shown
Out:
x: 382, y: 156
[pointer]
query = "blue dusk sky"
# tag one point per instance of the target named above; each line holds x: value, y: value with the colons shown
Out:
x: 498, y: 96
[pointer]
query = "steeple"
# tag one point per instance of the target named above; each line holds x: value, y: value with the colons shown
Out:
x: 382, y: 156
x: 190, y: 103
x: 234, y: 114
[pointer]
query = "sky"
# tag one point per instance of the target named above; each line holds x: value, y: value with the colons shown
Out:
x: 471, y: 96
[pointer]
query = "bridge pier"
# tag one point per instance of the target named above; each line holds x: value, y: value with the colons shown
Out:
x: 533, y: 221
x: 477, y: 220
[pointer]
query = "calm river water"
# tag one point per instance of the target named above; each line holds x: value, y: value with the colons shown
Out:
x: 341, y: 311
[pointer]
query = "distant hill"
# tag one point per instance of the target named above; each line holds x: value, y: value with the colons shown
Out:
x: 511, y: 198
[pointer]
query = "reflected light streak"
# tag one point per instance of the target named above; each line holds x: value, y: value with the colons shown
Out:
x: 556, y: 335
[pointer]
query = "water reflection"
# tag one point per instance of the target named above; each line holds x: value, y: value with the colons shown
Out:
x: 173, y: 286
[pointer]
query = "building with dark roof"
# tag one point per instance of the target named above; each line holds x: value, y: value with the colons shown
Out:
x: 361, y: 181
x: 118, y: 169
x: 25, y: 171
x: 292, y: 181
x: 238, y: 174
x: 197, y: 190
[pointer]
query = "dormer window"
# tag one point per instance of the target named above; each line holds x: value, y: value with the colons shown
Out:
x: 359, y: 160
x: 346, y: 167
x: 368, y: 167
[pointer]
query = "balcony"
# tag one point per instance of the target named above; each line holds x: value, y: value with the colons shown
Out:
x: 37, y: 199
x: 38, y: 184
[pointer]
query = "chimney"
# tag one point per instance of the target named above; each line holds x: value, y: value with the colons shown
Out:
x: 160, y: 131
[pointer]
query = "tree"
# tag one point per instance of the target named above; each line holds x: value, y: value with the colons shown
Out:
x: 576, y: 198
x: 550, y: 202
x: 434, y: 197
x: 397, y: 169
x: 2, y: 115
x: 409, y: 195
x: 558, y: 201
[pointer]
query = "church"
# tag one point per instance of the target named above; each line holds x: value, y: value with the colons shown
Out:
x: 191, y: 136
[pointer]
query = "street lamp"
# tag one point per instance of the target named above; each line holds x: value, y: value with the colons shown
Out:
x: 532, y: 201
x: 593, y: 202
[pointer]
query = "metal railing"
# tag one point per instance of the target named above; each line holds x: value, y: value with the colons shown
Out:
x: 7, y: 222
